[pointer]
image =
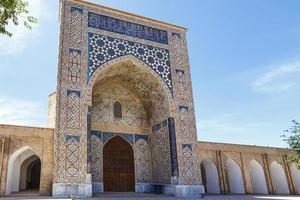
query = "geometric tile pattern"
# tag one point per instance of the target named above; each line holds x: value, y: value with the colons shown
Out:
x: 188, y: 172
x: 127, y: 28
x: 96, y: 159
x: 180, y: 75
x: 74, y: 65
x: 104, y: 48
x: 160, y: 148
x: 73, y: 109
x: 134, y: 114
x: 72, y: 155
x: 143, y: 161
x: 76, y: 25
x: 184, y: 121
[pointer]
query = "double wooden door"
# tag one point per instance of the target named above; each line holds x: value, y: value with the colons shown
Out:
x: 118, y: 166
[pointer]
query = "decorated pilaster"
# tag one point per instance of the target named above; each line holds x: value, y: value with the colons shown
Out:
x: 70, y: 139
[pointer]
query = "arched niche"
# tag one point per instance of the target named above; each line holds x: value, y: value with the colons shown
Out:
x: 235, y: 178
x: 210, y: 177
x: 257, y: 177
x: 295, y: 172
x: 279, y: 178
x: 17, y: 168
x: 143, y: 95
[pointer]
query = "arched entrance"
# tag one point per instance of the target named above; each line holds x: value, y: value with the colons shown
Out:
x: 24, y: 169
x: 257, y: 177
x: 129, y: 100
x: 279, y: 179
x: 210, y: 178
x: 235, y: 178
x: 118, y: 166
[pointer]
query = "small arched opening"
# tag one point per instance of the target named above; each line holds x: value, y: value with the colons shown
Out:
x: 279, y: 179
x: 234, y: 177
x: 210, y: 178
x: 24, y: 169
x: 257, y: 177
x: 117, y: 109
x: 118, y: 166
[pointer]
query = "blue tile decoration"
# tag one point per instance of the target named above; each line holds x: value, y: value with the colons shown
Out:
x: 164, y: 123
x: 141, y: 137
x: 75, y: 137
x: 179, y: 70
x: 103, y: 49
x: 106, y: 136
x: 73, y: 9
x: 176, y: 34
x: 173, y: 146
x: 127, y: 28
x: 184, y: 107
x: 156, y: 127
x: 73, y: 91
x: 126, y: 136
x: 98, y: 134
x: 187, y: 145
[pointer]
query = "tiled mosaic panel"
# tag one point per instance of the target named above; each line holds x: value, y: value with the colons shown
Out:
x: 160, y: 149
x: 181, y: 82
x: 96, y: 159
x: 74, y: 66
x: 127, y: 28
x: 134, y: 114
x: 73, y: 114
x: 72, y: 157
x: 188, y: 172
x: 184, y: 121
x: 71, y: 95
x: 104, y: 48
x: 143, y: 161
x: 76, y: 25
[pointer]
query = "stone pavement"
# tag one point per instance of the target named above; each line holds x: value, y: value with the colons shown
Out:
x: 135, y: 196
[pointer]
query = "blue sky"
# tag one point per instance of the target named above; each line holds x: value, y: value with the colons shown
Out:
x: 244, y: 57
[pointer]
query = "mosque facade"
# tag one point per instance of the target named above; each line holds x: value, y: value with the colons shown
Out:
x: 122, y: 119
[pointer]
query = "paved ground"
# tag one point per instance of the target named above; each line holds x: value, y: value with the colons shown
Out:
x: 135, y: 196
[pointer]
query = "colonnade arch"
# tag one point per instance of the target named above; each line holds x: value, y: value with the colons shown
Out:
x: 210, y: 177
x: 23, y: 171
x: 234, y: 177
x: 279, y: 178
x: 257, y: 177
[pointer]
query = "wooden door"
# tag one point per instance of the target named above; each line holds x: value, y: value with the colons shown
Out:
x: 118, y: 166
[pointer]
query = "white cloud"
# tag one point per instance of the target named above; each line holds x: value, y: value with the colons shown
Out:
x: 22, y: 37
x: 278, y: 79
x: 20, y: 112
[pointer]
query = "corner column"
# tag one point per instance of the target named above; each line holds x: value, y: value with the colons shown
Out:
x: 71, y: 177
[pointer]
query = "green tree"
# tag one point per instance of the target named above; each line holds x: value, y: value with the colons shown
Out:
x: 292, y: 137
x: 15, y: 11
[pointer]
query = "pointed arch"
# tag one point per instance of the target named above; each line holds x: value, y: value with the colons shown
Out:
x: 14, y: 168
x: 117, y: 109
x: 137, y: 63
x: 210, y: 177
x: 257, y: 177
x: 235, y: 178
x: 279, y: 178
